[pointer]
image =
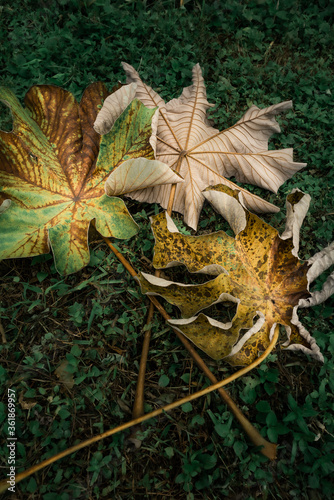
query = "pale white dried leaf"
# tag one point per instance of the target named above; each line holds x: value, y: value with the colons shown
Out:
x: 314, y: 350
x: 295, y: 215
x: 150, y: 99
x: 204, y: 156
x: 170, y: 224
x: 144, y: 92
x: 320, y: 262
x: 320, y: 296
x: 154, y: 127
x: 230, y: 208
x: 213, y: 322
x: 139, y: 173
x: 113, y: 107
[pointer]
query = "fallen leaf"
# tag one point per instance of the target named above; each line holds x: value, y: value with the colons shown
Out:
x: 65, y: 374
x: 204, y: 156
x: 258, y: 270
x: 54, y: 165
x: 26, y: 404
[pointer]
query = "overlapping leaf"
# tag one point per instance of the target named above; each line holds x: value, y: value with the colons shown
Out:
x: 53, y: 168
x: 204, y: 156
x: 258, y: 270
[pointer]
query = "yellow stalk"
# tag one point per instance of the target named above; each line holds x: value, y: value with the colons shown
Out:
x: 136, y: 421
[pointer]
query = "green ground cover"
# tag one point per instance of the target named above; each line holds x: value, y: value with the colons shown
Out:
x: 252, y: 52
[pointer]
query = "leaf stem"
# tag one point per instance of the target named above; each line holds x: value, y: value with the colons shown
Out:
x: 138, y: 406
x: 23, y: 475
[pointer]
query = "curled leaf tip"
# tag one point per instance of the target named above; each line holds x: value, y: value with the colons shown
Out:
x: 113, y: 107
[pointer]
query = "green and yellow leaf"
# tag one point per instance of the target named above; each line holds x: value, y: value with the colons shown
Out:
x: 54, y: 166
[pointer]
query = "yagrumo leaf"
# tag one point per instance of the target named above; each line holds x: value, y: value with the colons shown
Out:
x: 204, y: 156
x: 54, y: 165
x: 258, y: 270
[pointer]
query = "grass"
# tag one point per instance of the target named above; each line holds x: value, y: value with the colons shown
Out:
x: 73, y: 344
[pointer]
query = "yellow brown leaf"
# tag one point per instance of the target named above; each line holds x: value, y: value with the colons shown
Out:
x: 257, y: 269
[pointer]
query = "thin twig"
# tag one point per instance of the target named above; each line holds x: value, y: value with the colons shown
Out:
x: 23, y: 475
x: 138, y: 406
x: 3, y: 335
